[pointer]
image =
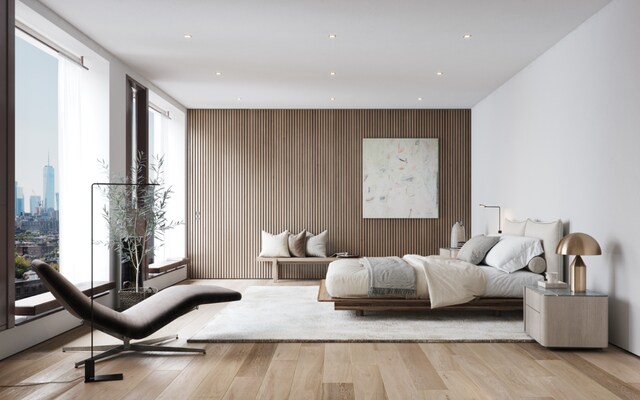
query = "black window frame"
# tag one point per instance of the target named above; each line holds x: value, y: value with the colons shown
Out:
x: 7, y: 166
x: 137, y: 137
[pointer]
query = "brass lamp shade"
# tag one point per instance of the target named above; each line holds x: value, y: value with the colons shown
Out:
x: 578, y: 244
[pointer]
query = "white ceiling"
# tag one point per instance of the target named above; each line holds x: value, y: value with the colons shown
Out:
x: 277, y: 54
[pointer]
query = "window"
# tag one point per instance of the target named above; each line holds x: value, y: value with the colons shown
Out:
x: 37, y: 223
x: 167, y: 140
x: 157, y: 133
x: 61, y: 132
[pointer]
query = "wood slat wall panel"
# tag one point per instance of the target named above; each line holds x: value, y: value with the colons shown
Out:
x: 250, y: 170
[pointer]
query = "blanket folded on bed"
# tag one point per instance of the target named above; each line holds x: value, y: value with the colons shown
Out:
x: 450, y: 281
x: 390, y: 276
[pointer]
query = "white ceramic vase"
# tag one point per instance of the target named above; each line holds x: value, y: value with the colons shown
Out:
x: 457, y: 234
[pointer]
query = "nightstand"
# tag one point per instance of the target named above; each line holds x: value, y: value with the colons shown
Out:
x: 559, y: 318
x: 449, y: 252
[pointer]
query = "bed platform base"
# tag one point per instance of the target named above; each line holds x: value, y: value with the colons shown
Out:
x: 360, y: 305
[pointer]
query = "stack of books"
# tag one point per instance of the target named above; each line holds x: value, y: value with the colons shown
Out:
x: 552, y: 285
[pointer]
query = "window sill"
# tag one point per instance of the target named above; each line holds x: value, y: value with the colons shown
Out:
x: 166, y: 266
x: 42, y: 303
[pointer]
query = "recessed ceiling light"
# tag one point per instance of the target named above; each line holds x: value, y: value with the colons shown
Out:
x: 419, y: 98
x: 239, y: 98
x: 218, y: 73
x: 187, y: 36
x: 467, y: 36
x: 439, y: 73
x: 332, y: 36
x: 332, y: 99
x: 332, y: 73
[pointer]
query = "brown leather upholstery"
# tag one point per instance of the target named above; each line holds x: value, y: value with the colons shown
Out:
x: 141, y: 320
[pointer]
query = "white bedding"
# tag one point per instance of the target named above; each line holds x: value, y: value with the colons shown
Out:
x: 450, y: 281
x: 348, y: 278
x: 502, y: 284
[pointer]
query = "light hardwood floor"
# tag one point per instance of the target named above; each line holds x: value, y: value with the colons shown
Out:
x: 325, y: 370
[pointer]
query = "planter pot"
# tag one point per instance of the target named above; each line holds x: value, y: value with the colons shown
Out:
x: 129, y: 297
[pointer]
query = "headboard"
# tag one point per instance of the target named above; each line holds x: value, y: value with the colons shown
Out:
x: 549, y: 232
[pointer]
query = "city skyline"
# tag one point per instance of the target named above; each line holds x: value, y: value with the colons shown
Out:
x: 48, y: 187
x: 48, y: 199
x: 36, y: 101
x: 19, y: 200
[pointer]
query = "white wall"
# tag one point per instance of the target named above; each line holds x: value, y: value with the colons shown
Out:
x: 561, y: 139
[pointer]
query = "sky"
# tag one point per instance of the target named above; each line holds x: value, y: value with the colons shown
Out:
x: 36, y: 116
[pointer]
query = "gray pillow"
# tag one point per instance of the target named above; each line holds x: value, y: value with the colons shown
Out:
x: 317, y: 244
x: 476, y: 248
x: 297, y: 244
x: 537, y: 265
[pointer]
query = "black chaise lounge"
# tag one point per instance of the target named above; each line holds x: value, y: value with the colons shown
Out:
x: 137, y: 322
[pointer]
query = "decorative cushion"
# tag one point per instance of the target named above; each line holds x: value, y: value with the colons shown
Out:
x: 316, y: 244
x: 514, y: 227
x: 513, y: 253
x: 297, y: 244
x: 474, y: 250
x: 550, y: 233
x: 275, y: 245
x: 537, y: 265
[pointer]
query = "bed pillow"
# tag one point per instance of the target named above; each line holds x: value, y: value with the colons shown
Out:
x: 316, y: 244
x: 514, y: 227
x: 297, y: 244
x: 537, y: 265
x: 275, y: 245
x: 550, y: 233
x: 513, y: 253
x: 474, y: 250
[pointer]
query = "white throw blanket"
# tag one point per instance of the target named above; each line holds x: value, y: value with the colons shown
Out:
x: 450, y: 281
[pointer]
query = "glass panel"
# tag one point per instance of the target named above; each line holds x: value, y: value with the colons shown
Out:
x: 37, y: 196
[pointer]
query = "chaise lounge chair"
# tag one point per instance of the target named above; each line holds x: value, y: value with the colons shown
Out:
x: 137, y: 322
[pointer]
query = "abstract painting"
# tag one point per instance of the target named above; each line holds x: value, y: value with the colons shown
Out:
x: 400, y: 178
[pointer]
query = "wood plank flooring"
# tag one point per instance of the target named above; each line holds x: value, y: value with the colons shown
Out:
x: 324, y: 370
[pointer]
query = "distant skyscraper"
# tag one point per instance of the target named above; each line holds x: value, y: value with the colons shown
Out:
x: 34, y: 204
x: 48, y: 187
x: 19, y: 201
x: 57, y: 201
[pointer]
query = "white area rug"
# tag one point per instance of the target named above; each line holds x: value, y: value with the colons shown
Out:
x: 293, y: 314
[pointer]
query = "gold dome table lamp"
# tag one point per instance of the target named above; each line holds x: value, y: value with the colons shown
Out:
x: 578, y: 244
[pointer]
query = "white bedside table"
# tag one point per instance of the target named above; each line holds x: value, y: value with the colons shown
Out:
x: 449, y: 252
x: 559, y: 318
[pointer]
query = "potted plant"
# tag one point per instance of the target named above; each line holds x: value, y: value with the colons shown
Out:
x: 136, y: 217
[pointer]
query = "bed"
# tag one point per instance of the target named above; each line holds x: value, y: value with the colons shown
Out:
x: 347, y: 281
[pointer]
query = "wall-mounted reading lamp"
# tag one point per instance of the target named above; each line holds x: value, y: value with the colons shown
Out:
x: 499, y: 216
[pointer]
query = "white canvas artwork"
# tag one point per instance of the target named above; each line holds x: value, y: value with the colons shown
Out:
x: 400, y: 178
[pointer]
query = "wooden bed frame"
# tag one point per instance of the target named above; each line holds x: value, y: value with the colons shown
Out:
x: 362, y: 304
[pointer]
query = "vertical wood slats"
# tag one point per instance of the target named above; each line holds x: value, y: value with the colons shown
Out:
x: 253, y: 170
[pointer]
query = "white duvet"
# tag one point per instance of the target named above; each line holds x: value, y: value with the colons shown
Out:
x: 449, y: 281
